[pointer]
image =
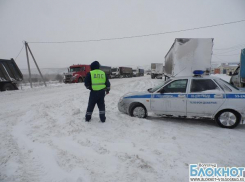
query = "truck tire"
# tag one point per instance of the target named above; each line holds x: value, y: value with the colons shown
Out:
x: 80, y: 80
x: 8, y: 86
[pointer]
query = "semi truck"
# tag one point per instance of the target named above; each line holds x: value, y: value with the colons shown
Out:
x: 77, y: 73
x: 121, y: 72
x: 10, y: 75
x: 156, y: 70
x: 187, y: 55
x: 138, y: 72
x: 238, y: 77
x: 107, y: 70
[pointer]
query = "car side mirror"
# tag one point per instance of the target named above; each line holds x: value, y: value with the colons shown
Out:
x: 149, y: 89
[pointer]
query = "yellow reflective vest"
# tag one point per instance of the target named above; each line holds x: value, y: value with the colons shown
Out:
x: 98, y: 79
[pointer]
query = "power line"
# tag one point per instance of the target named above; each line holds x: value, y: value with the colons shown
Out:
x: 233, y: 47
x: 19, y: 52
x: 137, y: 36
x: 238, y: 49
x: 226, y: 54
x: 219, y: 58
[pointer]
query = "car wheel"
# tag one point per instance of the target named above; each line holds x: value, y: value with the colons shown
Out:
x: 138, y: 110
x: 228, y: 119
x: 80, y: 80
x: 8, y: 86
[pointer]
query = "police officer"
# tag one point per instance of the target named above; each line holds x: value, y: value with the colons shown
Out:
x: 98, y: 83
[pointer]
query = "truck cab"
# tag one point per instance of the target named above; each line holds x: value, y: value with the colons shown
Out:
x: 237, y: 79
x: 76, y: 73
x: 115, y: 72
x: 135, y: 72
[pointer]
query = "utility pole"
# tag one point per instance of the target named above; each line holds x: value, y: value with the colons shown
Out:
x: 28, y: 48
x: 28, y: 63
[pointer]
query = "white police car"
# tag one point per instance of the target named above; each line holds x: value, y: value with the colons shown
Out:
x: 194, y: 97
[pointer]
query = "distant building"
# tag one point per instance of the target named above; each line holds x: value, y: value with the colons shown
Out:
x: 227, y: 68
x: 214, y: 67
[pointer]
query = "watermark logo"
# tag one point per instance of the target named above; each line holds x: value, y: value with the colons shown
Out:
x: 211, y: 172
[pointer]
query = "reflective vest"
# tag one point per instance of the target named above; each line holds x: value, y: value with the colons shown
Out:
x: 98, y: 79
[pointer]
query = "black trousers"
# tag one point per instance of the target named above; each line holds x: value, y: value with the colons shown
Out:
x: 96, y: 97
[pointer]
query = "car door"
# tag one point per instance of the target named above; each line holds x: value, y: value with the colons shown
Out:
x: 204, y: 98
x: 171, y: 99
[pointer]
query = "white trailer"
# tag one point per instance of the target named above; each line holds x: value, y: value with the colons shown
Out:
x: 187, y: 55
x: 156, y: 70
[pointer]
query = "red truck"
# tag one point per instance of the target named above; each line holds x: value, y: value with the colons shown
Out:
x: 77, y: 73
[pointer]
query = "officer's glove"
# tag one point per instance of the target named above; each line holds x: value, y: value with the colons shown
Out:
x: 107, y: 90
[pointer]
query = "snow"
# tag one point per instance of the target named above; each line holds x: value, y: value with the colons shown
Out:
x: 44, y: 138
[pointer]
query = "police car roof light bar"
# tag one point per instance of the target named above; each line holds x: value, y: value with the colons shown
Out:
x: 198, y: 72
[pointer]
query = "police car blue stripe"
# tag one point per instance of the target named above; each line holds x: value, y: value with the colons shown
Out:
x: 202, y: 96
x: 138, y: 96
x: 168, y: 95
x: 235, y: 96
x: 190, y: 96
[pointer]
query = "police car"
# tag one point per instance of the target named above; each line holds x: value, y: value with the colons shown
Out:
x: 193, y: 97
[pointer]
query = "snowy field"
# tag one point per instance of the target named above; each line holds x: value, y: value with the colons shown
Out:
x: 44, y: 138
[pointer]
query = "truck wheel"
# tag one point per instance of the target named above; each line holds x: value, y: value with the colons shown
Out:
x: 80, y: 80
x: 138, y: 110
x: 228, y: 119
x: 8, y: 86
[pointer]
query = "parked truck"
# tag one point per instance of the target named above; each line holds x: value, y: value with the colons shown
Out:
x: 156, y: 70
x: 138, y: 72
x: 238, y: 77
x: 10, y: 75
x: 107, y: 70
x: 121, y: 72
x: 187, y: 55
x: 77, y: 73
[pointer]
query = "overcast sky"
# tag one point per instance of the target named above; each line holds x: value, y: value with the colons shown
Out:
x: 64, y: 20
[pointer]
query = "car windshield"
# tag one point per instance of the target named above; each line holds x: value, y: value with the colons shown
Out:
x: 158, y: 86
x: 113, y: 69
x: 230, y: 84
x: 75, y: 69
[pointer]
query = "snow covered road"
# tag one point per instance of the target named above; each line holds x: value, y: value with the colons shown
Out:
x: 44, y: 138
